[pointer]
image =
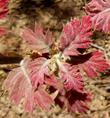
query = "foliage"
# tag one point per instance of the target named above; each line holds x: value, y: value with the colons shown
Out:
x: 99, y: 10
x: 56, y: 74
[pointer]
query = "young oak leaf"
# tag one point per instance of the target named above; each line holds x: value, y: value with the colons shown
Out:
x: 95, y: 64
x: 38, y: 39
x: 76, y: 34
x: 21, y: 84
x: 99, y: 10
x: 71, y: 76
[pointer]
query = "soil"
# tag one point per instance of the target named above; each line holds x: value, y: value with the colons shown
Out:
x: 52, y: 14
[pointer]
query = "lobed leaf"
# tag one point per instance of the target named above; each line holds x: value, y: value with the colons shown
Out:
x: 37, y: 39
x: 99, y: 10
x: 19, y: 87
x: 74, y: 101
x: 71, y: 76
x: 77, y: 102
x: 23, y: 82
x: 95, y: 64
x: 76, y: 34
x: 39, y: 68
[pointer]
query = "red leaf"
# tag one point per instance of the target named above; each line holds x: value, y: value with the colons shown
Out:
x: 37, y: 39
x: 99, y: 10
x: 77, y: 102
x: 71, y: 76
x: 74, y: 101
x: 39, y: 69
x: 23, y: 81
x: 95, y: 65
x: 19, y: 87
x: 76, y: 35
x: 3, y: 8
x: 3, y: 13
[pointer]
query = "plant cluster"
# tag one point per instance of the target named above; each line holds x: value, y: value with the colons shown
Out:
x: 54, y: 72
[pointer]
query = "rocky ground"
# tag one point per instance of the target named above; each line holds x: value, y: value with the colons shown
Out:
x: 52, y: 14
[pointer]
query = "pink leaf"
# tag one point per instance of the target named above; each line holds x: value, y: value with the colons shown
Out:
x: 19, y: 87
x: 39, y: 69
x: 99, y: 10
x: 76, y: 34
x: 37, y: 39
x: 71, y: 76
x: 21, y: 81
x: 95, y: 65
